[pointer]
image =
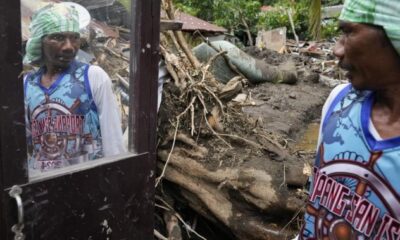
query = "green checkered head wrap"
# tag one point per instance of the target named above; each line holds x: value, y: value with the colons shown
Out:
x: 385, y: 13
x: 53, y: 18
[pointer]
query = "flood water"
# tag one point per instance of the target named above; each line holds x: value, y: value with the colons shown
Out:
x: 308, y: 142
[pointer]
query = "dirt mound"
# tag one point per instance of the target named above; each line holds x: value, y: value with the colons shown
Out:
x: 232, y: 160
x: 227, y: 149
x: 269, y: 56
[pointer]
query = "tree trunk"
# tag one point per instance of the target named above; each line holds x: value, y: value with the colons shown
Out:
x: 248, y: 32
x: 241, y: 197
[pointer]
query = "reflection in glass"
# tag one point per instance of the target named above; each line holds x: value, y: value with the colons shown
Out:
x: 75, y: 81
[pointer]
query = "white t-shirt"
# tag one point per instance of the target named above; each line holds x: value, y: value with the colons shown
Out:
x: 108, y: 110
x: 163, y: 76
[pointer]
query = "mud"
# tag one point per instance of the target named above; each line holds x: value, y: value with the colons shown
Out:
x: 281, y: 110
x: 287, y: 110
x: 277, y: 118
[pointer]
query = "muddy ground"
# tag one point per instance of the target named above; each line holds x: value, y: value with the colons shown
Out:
x: 276, y: 119
x: 288, y: 109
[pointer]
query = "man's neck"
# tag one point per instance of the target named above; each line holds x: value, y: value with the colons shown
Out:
x: 389, y: 99
x: 52, y: 70
x: 386, y: 112
x: 50, y: 75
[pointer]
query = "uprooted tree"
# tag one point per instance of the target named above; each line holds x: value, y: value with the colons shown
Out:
x: 225, y: 166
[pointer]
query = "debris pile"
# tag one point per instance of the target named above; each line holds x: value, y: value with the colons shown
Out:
x: 319, y: 55
x: 222, y: 160
x: 226, y: 148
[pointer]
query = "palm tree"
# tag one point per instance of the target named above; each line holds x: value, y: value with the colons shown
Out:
x: 315, y: 19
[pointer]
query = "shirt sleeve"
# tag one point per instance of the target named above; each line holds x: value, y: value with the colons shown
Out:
x: 27, y: 122
x: 108, y: 110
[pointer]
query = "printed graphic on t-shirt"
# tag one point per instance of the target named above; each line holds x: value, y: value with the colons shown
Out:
x: 63, y: 123
x: 355, y: 190
x: 58, y: 135
x: 340, y: 205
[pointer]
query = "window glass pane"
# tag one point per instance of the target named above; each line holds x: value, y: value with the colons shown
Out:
x: 76, y: 82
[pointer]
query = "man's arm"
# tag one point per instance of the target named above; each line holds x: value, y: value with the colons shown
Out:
x: 28, y: 132
x: 108, y: 110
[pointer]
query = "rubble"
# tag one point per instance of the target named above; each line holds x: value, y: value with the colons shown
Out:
x: 274, y: 39
x: 226, y: 145
x: 320, y: 59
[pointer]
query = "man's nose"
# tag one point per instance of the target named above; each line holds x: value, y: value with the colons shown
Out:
x: 68, y: 45
x: 338, y: 50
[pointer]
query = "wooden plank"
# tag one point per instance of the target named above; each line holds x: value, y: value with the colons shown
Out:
x: 145, y: 55
x: 166, y: 25
x: 12, y: 124
x: 12, y: 121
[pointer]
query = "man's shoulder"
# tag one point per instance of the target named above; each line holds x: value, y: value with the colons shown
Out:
x: 98, y: 73
x: 31, y: 74
x: 97, y: 77
x: 96, y: 69
x: 337, y: 91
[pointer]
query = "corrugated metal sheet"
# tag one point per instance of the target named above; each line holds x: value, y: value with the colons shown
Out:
x: 191, y: 23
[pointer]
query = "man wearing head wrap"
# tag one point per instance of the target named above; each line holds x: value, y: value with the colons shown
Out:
x: 71, y: 111
x: 355, y: 188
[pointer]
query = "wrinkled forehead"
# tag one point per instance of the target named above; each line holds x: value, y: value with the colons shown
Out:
x: 66, y: 34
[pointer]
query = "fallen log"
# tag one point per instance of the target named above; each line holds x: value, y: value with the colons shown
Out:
x: 245, y: 222
x: 256, y: 71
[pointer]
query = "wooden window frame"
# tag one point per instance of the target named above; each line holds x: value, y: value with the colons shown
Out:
x: 145, y: 37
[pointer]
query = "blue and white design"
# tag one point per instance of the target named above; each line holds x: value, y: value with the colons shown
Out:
x: 355, y: 190
x: 62, y: 120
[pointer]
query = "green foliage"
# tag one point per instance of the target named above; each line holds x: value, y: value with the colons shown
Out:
x: 234, y: 14
x: 332, y: 2
x: 126, y: 4
x: 278, y: 17
x: 188, y: 9
x: 227, y: 13
x: 199, y: 8
x: 330, y: 29
x: 268, y: 2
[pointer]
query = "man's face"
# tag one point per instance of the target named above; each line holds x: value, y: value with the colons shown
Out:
x: 59, y: 49
x: 368, y: 56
